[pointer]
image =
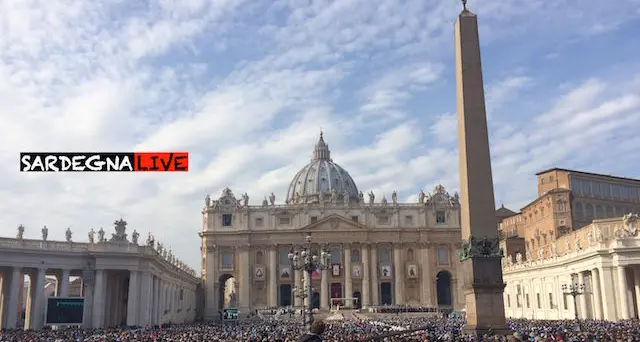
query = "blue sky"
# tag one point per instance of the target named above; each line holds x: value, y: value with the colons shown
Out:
x: 245, y: 87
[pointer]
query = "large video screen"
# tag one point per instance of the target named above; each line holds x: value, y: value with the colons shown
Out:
x: 65, y: 311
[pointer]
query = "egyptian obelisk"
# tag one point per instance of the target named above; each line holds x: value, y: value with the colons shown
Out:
x: 481, y: 255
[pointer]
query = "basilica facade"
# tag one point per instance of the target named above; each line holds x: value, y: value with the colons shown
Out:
x: 382, y: 252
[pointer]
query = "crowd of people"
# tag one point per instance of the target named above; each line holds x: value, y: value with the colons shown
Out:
x: 275, y: 329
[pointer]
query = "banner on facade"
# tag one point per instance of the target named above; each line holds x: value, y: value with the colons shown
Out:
x: 412, y: 271
x: 356, y: 271
x: 385, y: 271
x: 335, y: 270
x: 259, y: 273
x: 285, y: 273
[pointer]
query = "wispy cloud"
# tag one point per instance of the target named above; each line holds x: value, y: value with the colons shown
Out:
x: 245, y: 87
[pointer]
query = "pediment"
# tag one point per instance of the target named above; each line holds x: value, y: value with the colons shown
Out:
x: 334, y: 223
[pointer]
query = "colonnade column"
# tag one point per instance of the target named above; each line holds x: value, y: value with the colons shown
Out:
x: 12, y: 301
x: 366, y: 286
x: 272, y: 285
x: 623, y: 300
x: 425, y: 275
x: 99, y: 298
x: 133, y: 298
x: 211, y: 286
x: 64, y: 283
x: 597, y: 297
x: 37, y: 318
x: 636, y: 280
x: 582, y: 299
x: 307, y: 280
x: 348, y: 286
x: 87, y: 293
x: 375, y: 293
x: 398, y: 274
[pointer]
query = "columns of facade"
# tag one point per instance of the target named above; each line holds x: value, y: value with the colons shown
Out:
x: 375, y: 287
x: 10, y: 319
x: 425, y: 276
x: 297, y: 282
x: 99, y: 294
x: 582, y: 299
x: 366, y: 286
x: 64, y: 283
x: 398, y: 274
x: 155, y: 316
x: 132, y: 299
x: 324, y: 290
x: 623, y: 299
x: 597, y: 296
x: 636, y: 281
x: 272, y: 285
x: 348, y: 286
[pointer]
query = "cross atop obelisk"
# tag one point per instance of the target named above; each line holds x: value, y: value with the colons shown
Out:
x: 481, y: 255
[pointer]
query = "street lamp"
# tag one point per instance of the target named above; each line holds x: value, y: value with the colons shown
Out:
x: 574, y: 290
x: 308, y: 262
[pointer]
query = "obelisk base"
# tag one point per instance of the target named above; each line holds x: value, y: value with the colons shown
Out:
x: 483, y: 291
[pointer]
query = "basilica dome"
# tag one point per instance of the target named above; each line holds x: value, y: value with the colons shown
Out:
x: 322, y: 180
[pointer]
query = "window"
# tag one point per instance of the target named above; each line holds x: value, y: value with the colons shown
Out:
x: 560, y: 206
x: 610, y: 212
x: 283, y: 256
x: 227, y: 260
x: 384, y: 255
x: 181, y: 293
x: 408, y: 220
x: 259, y: 258
x: 383, y: 219
x: 528, y: 302
x: 605, y: 189
x: 551, y: 306
x: 595, y: 187
x: 336, y: 255
x: 579, y: 210
x: 542, y: 180
x: 539, y: 301
x: 508, y: 300
x: 518, y: 304
x: 599, y: 211
x: 284, y: 221
x: 615, y: 191
x: 443, y: 256
x: 440, y: 217
x: 564, y: 302
x: 227, y: 220
x: 314, y: 219
x: 354, y: 218
x: 259, y: 222
x: 550, y: 178
x: 355, y: 256
x: 589, y: 211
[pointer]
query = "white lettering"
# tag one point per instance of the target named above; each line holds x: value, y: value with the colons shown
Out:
x: 94, y: 163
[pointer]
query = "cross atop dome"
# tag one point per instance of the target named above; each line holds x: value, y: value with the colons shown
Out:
x: 321, y: 152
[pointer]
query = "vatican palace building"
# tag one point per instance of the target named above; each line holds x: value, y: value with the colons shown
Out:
x: 382, y: 252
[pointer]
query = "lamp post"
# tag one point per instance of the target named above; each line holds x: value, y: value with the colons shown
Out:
x: 574, y: 290
x: 308, y: 262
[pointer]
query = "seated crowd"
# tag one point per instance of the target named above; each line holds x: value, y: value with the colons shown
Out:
x: 268, y: 329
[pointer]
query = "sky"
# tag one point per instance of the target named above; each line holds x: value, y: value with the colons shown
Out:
x: 246, y: 86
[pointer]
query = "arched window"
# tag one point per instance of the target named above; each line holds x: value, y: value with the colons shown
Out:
x: 227, y: 260
x: 336, y: 255
x: 610, y: 211
x: 579, y: 210
x: 259, y: 258
x: 589, y: 211
x: 283, y: 255
x: 355, y: 255
x: 599, y: 211
x: 410, y: 256
x: 384, y: 255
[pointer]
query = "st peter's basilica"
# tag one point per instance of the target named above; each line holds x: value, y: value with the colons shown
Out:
x: 382, y: 252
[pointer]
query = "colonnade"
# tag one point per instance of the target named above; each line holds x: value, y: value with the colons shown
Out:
x: 111, y: 297
x: 609, y: 293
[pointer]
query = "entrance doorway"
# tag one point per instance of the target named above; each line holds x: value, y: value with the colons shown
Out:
x: 358, y: 300
x: 285, y: 295
x: 386, y: 296
x: 315, y: 300
x: 336, y: 292
x: 226, y: 296
x: 443, y: 286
